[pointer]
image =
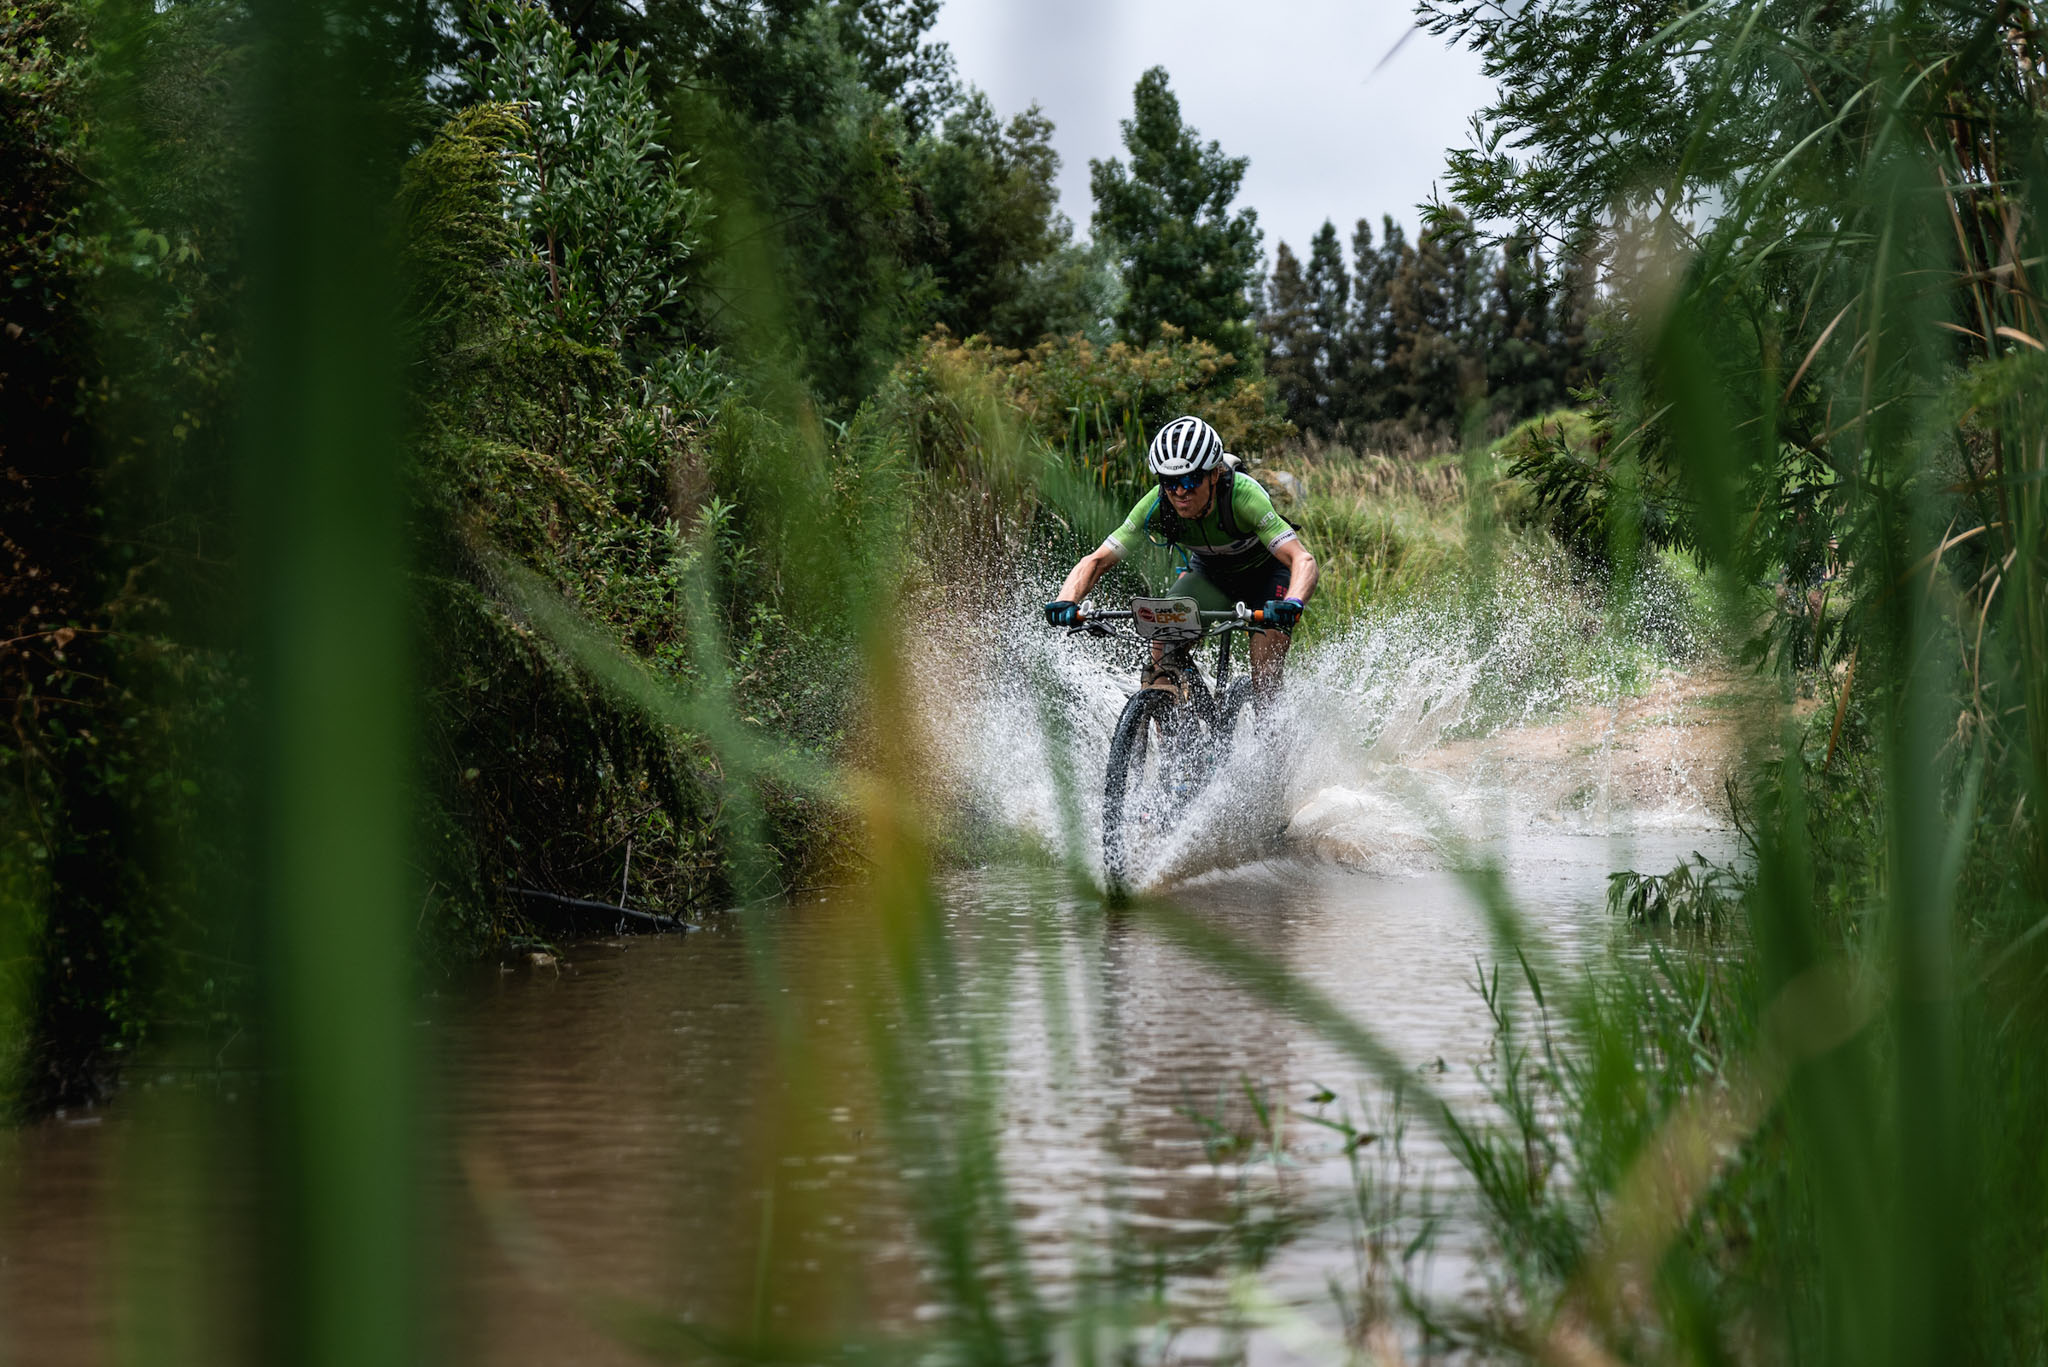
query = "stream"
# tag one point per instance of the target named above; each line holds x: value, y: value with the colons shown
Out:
x: 623, y: 1124
x: 1127, y: 1137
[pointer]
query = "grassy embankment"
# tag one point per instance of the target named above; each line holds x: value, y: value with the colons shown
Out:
x: 1409, y: 553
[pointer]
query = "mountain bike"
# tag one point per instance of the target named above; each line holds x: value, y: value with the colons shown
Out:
x: 1170, y: 739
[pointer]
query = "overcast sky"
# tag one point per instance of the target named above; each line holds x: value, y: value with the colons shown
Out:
x: 1288, y: 83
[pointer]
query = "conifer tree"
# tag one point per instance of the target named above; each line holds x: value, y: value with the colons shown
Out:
x: 1288, y: 325
x: 1422, y: 362
x: 1515, y: 336
x: 1329, y: 291
x: 1372, y: 330
x: 1329, y: 284
x: 1188, y: 261
x: 1414, y: 336
x: 990, y: 197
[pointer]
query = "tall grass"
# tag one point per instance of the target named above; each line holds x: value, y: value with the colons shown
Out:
x: 1811, y: 1147
x: 1383, y: 529
x: 324, y: 502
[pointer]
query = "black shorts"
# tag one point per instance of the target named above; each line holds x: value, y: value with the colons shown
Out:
x: 1221, y: 590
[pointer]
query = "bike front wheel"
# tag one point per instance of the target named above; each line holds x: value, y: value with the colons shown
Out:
x: 1136, y: 790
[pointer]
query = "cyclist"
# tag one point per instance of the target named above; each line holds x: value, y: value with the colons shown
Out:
x: 1236, y: 549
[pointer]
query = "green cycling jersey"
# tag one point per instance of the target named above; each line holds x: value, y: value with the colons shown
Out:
x: 1257, y: 528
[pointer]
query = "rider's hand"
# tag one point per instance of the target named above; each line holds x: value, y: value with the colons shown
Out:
x: 1283, y: 612
x: 1063, y: 614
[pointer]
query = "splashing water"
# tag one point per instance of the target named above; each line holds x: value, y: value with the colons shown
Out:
x: 1405, y: 734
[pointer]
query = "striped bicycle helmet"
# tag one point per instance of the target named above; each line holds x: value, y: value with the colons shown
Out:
x: 1184, y: 446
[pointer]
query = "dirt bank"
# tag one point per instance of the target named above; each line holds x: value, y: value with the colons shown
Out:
x: 1659, y: 760
x: 1669, y: 750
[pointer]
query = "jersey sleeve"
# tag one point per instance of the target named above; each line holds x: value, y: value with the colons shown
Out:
x: 1254, y: 509
x: 1125, y: 540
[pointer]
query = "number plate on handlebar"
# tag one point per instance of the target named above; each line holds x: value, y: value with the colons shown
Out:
x: 1166, y: 619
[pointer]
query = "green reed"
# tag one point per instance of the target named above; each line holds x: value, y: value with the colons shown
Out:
x: 323, y: 490
x: 1812, y: 1149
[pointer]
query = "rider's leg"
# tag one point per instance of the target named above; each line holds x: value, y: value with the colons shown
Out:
x: 1208, y: 595
x: 1156, y: 674
x: 1269, y: 662
x: 1269, y: 648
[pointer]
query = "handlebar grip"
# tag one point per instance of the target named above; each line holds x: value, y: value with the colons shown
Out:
x: 1258, y: 614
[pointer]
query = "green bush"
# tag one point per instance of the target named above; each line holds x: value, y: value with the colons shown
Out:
x: 1094, y: 406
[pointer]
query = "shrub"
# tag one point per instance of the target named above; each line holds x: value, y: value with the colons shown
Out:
x: 1094, y: 406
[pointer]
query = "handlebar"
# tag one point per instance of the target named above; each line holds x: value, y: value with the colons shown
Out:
x: 1240, y: 614
x: 1212, y: 624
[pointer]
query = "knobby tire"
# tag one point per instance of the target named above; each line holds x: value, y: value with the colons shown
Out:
x: 1127, y: 747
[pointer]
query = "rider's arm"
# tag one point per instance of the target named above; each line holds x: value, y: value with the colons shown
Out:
x: 1301, y: 568
x: 1092, y: 567
x: 1120, y: 543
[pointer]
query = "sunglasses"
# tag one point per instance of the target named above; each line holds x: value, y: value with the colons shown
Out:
x: 1183, y: 484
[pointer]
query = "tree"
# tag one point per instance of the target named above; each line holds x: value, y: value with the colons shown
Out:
x: 1369, y: 337
x: 1074, y: 292
x: 1288, y: 325
x: 1329, y: 292
x: 1187, y: 259
x: 612, y: 226
x: 816, y: 232
x: 990, y: 195
x: 1414, y: 335
x: 856, y: 195
x: 887, y: 37
x: 1522, y: 371
x: 754, y: 54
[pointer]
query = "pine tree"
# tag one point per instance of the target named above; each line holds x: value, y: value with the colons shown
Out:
x: 1520, y: 367
x: 1422, y: 339
x: 1188, y: 261
x: 1372, y: 332
x: 1572, y: 337
x: 1329, y: 284
x: 1288, y: 324
x: 1420, y: 361
x: 1329, y: 290
x: 988, y: 190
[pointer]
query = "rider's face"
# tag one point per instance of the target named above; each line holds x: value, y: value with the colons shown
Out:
x: 1192, y: 502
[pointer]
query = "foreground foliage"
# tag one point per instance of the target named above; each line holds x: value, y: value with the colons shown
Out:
x: 1816, y: 1142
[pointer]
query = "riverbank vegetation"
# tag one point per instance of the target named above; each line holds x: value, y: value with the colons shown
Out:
x: 651, y: 290
x: 1819, y: 1146
x: 455, y: 456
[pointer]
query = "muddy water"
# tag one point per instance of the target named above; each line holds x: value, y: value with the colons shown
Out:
x: 659, y: 1133
x: 642, y: 1136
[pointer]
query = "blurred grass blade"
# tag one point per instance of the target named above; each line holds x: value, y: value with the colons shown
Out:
x: 324, y: 482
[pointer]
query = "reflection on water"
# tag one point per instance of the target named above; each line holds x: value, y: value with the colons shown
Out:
x: 692, y: 1128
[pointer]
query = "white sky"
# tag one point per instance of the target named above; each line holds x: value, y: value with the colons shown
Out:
x: 1288, y: 83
